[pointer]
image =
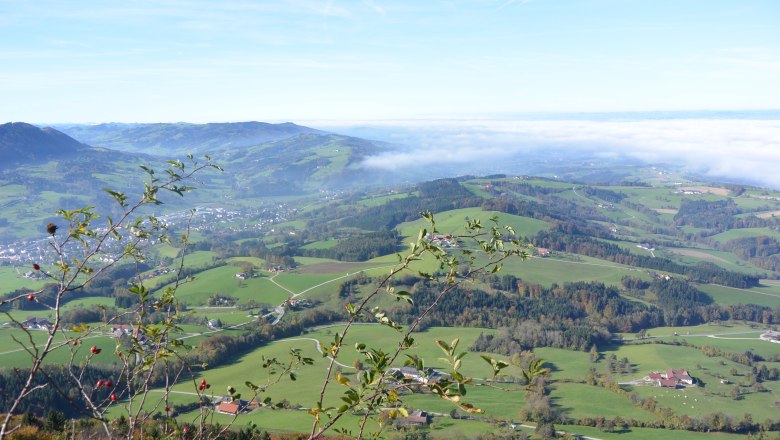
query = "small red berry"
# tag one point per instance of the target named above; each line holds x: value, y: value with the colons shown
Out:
x: 109, y: 384
x: 99, y: 383
x: 113, y: 397
x: 185, y: 430
x: 31, y: 297
x: 95, y: 350
x: 36, y: 267
x: 167, y: 409
x: 75, y: 342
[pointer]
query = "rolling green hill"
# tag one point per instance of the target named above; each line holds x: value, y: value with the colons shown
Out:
x: 181, y: 138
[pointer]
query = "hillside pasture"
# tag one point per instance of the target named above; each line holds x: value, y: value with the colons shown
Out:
x: 563, y: 268
x: 222, y: 280
x: 379, y: 200
x: 733, y: 234
x: 454, y: 221
x: 322, y: 244
x: 334, y: 268
x: 580, y: 400
x: 725, y: 260
x: 709, y: 395
x: 648, y: 434
x: 723, y: 192
x: 11, y: 280
x: 724, y: 295
x: 13, y: 355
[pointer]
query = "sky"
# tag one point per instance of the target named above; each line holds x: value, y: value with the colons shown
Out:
x: 301, y: 60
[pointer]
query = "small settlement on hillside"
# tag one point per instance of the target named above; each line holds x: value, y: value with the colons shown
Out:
x: 671, y: 378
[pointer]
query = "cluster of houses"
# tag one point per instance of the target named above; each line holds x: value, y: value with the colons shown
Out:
x: 244, y: 275
x: 233, y: 407
x: 24, y: 253
x: 671, y: 378
x: 33, y: 323
x: 158, y: 272
x: 427, y: 376
x: 771, y: 336
x: 121, y: 330
x: 297, y: 304
x: 443, y: 240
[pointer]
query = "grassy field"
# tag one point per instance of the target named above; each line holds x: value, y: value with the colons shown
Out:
x: 763, y: 296
x: 564, y: 364
x: 579, y: 400
x: 323, y: 244
x: 735, y: 343
x: 649, y: 434
x: 564, y: 268
x: 453, y: 222
x: 710, y: 396
x: 222, y: 280
x: 13, y: 355
x: 725, y: 260
x: 381, y: 200
x: 744, y: 233
x: 10, y: 280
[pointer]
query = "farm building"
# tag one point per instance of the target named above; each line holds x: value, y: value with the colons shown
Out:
x: 671, y: 378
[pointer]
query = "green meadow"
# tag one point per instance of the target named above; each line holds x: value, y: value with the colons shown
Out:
x: 381, y: 200
x: 11, y: 280
x: 562, y: 268
x: 763, y: 295
x: 733, y: 234
x: 454, y: 221
x: 222, y: 280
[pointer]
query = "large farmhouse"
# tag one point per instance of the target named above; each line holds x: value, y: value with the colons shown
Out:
x: 671, y: 378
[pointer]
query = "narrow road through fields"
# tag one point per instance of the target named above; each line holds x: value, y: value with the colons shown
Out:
x: 346, y: 275
x: 318, y: 346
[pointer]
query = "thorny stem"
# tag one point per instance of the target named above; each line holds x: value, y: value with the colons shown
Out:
x: 68, y: 282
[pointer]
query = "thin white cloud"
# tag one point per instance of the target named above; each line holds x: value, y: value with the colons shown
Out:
x: 375, y: 7
x: 746, y: 150
x: 512, y: 2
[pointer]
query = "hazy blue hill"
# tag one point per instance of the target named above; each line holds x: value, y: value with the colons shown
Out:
x: 301, y: 164
x: 21, y: 143
x: 181, y: 138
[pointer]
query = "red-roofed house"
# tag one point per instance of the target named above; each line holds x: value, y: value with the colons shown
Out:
x: 231, y: 408
x: 680, y: 375
x: 668, y: 383
x: 656, y: 376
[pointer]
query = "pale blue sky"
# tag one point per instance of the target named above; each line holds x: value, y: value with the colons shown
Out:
x: 297, y: 60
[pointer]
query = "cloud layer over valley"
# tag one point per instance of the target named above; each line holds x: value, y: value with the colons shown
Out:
x: 746, y: 150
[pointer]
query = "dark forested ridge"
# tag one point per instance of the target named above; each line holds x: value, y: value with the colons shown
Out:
x: 23, y: 143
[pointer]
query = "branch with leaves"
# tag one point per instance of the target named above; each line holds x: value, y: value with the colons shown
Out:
x: 375, y: 388
x: 79, y: 257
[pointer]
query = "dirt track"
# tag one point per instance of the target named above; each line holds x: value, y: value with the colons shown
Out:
x: 769, y: 214
x: 329, y: 268
x: 707, y: 189
x: 698, y: 254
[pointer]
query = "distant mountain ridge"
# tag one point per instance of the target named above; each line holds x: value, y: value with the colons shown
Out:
x: 181, y: 138
x: 21, y: 142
